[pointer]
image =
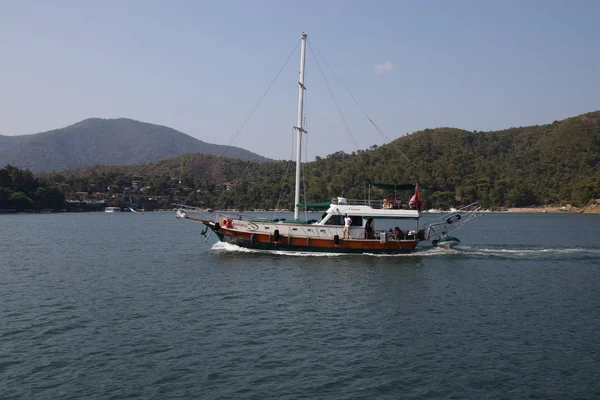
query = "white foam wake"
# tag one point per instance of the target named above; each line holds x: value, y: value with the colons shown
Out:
x: 461, y: 251
x: 223, y: 246
x: 228, y: 247
x: 531, y: 252
x: 419, y: 252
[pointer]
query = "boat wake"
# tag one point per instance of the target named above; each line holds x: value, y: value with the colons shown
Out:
x: 228, y: 247
x: 532, y: 253
x: 516, y: 252
x: 419, y: 252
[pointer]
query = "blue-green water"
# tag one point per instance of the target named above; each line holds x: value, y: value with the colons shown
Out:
x: 113, y: 306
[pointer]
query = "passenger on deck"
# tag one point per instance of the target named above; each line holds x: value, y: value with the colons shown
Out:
x: 369, y: 229
x: 398, y: 233
x: 389, y: 235
x: 347, y: 223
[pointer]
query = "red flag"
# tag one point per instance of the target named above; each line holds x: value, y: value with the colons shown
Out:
x: 415, y: 201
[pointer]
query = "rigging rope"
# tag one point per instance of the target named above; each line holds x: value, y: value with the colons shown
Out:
x: 346, y: 125
x: 304, y: 178
x: 379, y: 130
x: 284, y: 178
x: 245, y: 122
x: 305, y: 157
x: 337, y: 106
x: 243, y: 173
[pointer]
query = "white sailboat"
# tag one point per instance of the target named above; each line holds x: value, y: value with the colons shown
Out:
x: 331, y: 233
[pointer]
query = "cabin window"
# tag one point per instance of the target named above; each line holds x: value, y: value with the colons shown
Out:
x: 356, y: 220
x: 339, y: 220
x: 335, y: 220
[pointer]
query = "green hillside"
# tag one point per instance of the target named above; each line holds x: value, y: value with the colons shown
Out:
x: 514, y: 167
x: 98, y: 141
x: 525, y: 166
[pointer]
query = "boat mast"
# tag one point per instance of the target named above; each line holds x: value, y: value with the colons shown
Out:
x: 299, y: 127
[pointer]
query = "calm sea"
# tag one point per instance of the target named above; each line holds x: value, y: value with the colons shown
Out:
x: 115, y: 306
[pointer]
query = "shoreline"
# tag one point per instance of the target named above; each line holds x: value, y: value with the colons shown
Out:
x: 590, y: 209
x: 593, y: 209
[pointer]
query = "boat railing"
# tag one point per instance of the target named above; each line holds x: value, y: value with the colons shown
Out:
x: 389, y: 236
x: 451, y: 222
x: 391, y: 204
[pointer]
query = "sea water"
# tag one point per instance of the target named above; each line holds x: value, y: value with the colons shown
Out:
x: 113, y: 306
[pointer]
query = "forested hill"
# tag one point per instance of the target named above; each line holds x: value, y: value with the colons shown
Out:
x: 522, y: 166
x: 9, y: 141
x: 97, y: 141
x: 546, y: 164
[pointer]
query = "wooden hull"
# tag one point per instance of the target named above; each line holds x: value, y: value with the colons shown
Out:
x: 265, y: 241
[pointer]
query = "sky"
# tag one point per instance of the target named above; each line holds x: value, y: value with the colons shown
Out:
x: 201, y: 66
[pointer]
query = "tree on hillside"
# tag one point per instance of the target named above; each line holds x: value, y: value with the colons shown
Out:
x: 20, y: 190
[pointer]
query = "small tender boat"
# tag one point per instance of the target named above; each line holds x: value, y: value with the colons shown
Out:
x: 447, y: 242
x: 112, y: 209
x: 438, y: 231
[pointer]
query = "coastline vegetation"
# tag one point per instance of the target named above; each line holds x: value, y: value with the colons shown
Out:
x: 532, y: 166
x: 21, y: 190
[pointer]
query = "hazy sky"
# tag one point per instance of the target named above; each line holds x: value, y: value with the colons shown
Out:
x: 200, y: 66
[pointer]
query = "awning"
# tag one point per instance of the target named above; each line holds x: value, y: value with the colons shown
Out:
x: 321, y: 206
x: 394, y: 186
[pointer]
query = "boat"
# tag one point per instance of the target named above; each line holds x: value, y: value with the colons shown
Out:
x: 326, y: 234
x: 446, y: 242
x: 346, y: 226
x: 440, y: 229
x: 112, y: 209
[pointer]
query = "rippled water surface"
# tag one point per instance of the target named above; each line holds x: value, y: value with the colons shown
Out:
x: 113, y: 306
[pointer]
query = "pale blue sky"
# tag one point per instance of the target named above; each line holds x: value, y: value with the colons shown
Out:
x: 200, y: 66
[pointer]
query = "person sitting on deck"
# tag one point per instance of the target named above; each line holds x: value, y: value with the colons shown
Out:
x: 369, y: 234
x: 388, y: 203
x: 398, y: 233
x: 389, y: 235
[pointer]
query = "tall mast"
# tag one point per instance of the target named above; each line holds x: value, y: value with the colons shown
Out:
x: 299, y: 127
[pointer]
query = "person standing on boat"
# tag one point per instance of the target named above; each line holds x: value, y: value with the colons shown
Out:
x: 347, y: 223
x: 369, y: 229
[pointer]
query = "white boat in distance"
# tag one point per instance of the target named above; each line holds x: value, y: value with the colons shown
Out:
x: 112, y: 209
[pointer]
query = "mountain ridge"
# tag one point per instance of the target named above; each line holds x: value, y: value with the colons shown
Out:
x: 111, y: 141
x: 516, y: 167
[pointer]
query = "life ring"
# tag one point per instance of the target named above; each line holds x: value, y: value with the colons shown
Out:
x: 226, y: 223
